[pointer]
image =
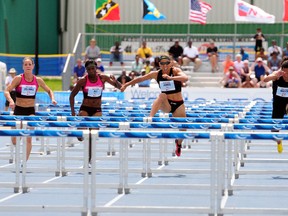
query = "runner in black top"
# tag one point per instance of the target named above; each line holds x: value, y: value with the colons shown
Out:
x: 280, y: 93
x: 170, y: 99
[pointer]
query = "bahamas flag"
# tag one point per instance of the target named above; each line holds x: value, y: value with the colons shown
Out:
x: 150, y: 12
x: 107, y: 10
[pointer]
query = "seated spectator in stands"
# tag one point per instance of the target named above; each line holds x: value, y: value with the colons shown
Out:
x: 191, y: 54
x: 274, y: 48
x: 238, y: 64
x: 285, y: 50
x: 79, y: 71
x: 232, y: 79
x: 145, y: 52
x: 123, y: 78
x: 147, y: 67
x: 244, y: 54
x: 137, y: 65
x: 99, y: 68
x: 145, y: 83
x: 176, y: 51
x: 249, y: 83
x: 262, y: 84
x: 212, y: 52
x: 274, y: 62
x: 261, y: 54
x: 227, y: 63
x: 92, y: 51
x: 155, y: 64
x: 116, y: 54
x: 259, y: 68
x: 245, y: 71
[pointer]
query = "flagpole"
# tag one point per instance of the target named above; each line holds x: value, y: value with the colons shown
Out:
x: 234, y: 39
x: 141, y: 27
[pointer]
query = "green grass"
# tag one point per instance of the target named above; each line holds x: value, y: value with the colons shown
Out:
x: 53, y: 83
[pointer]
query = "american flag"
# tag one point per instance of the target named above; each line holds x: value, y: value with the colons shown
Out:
x: 198, y: 11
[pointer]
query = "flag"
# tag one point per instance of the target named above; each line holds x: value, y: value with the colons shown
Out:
x: 150, y: 12
x: 107, y: 10
x: 249, y: 13
x: 198, y: 11
x: 285, y: 14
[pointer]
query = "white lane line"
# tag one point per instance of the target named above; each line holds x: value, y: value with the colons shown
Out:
x: 17, y: 194
x: 114, y: 200
x: 121, y: 195
x: 52, y: 179
x: 10, y: 197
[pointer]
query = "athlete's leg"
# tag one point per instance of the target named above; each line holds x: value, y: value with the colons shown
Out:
x: 179, y: 112
x: 161, y: 103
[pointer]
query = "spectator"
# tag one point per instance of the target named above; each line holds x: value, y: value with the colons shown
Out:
x: 123, y: 78
x: 116, y: 54
x: 238, y: 64
x: 176, y: 51
x: 79, y: 71
x: 92, y: 51
x: 145, y: 83
x: 245, y: 71
x: 259, y: 68
x: 212, y: 52
x: 249, y: 83
x: 262, y: 55
x: 244, y: 54
x: 259, y: 38
x: 145, y: 52
x: 285, y: 50
x: 137, y: 65
x: 232, y: 79
x: 191, y: 54
x: 99, y: 68
x: 227, y: 63
x: 274, y: 48
x: 147, y: 67
x: 274, y: 61
x: 156, y: 65
x: 12, y: 73
x: 262, y: 84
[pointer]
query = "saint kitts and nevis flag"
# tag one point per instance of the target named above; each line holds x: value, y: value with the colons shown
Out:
x: 107, y: 10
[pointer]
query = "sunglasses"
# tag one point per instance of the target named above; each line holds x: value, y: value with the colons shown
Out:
x: 165, y: 63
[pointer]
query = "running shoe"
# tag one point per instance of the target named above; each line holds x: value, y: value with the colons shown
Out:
x: 178, y: 148
x: 80, y: 139
x: 279, y: 146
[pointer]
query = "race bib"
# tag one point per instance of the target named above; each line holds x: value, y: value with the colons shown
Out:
x: 282, y: 92
x: 167, y: 85
x: 28, y: 90
x: 94, y: 91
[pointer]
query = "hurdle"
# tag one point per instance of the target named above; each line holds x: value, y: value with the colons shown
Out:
x: 233, y: 140
x: 125, y: 188
x: 25, y: 186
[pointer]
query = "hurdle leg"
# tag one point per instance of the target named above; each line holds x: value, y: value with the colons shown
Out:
x: 94, y: 139
x: 58, y: 168
x: 161, y: 152
x: 125, y: 163
x: 148, y: 160
x: 17, y: 166
x: 63, y: 159
x: 230, y: 177
x: 25, y: 188
x: 86, y: 134
x: 144, y: 155
x: 121, y: 167
x: 213, y: 175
